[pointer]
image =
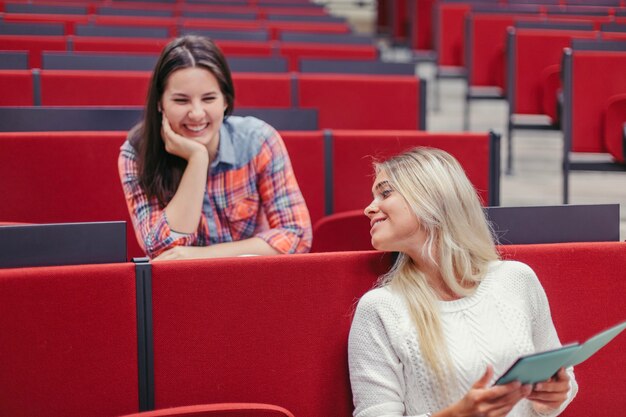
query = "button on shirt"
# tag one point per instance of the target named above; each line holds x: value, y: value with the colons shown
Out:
x: 251, y: 192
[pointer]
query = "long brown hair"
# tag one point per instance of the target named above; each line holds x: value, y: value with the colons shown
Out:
x: 159, y: 171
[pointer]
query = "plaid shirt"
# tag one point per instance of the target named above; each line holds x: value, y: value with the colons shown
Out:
x: 251, y: 192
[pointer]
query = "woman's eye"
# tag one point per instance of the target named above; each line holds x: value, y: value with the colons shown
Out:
x: 385, y: 193
x: 180, y: 100
x: 209, y: 99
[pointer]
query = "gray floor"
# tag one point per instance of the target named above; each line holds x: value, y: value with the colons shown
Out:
x: 537, y: 177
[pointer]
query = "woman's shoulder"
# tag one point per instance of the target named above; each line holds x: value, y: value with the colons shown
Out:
x: 248, y: 137
x: 246, y: 126
x: 515, y: 275
x: 378, y: 300
x: 130, y: 146
x: 513, y: 267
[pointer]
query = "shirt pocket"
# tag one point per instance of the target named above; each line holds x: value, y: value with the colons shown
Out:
x: 242, y: 216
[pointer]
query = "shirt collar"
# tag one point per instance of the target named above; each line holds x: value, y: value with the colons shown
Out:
x: 226, y: 149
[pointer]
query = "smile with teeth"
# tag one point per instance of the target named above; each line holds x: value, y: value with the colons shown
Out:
x: 375, y: 222
x: 197, y: 128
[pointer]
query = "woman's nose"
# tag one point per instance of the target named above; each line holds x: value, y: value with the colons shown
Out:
x: 371, y: 209
x: 196, y: 111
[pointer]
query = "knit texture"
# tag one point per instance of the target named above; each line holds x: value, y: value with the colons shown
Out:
x: 508, y: 316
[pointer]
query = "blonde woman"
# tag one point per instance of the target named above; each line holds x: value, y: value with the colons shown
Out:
x: 450, y: 316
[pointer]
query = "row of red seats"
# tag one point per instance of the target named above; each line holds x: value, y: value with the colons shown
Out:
x: 333, y: 169
x: 292, y: 51
x: 338, y: 99
x: 80, y: 340
x: 260, y: 7
x: 174, y: 24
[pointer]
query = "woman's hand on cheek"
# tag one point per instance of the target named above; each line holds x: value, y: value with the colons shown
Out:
x: 178, y: 145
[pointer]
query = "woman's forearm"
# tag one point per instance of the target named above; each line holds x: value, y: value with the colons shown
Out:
x: 252, y: 246
x: 184, y: 210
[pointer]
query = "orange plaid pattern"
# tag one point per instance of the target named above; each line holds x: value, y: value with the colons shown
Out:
x: 251, y: 192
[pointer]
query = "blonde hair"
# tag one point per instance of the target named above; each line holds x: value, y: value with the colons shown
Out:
x: 459, y: 241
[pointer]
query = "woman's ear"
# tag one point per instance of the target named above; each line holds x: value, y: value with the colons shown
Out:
x: 159, y: 109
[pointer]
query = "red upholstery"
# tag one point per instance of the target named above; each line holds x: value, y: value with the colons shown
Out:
x: 354, y: 151
x: 112, y: 44
x: 219, y: 24
x: 285, y: 8
x: 245, y: 48
x: 94, y: 88
x: 536, y: 50
x: 399, y: 20
x: 550, y: 87
x: 293, y: 51
x: 449, y: 36
x: 68, y: 341
x: 591, y: 93
x: 34, y: 45
x: 70, y: 20
x: 219, y: 410
x: 423, y: 25
x: 63, y: 177
x: 614, y: 119
x: 487, y: 49
x: 614, y: 35
x: 260, y: 329
x: 276, y: 27
x: 584, y: 283
x: 262, y: 90
x: 16, y: 87
x: 306, y: 151
x: 169, y: 23
x: 342, y: 100
x: 344, y: 231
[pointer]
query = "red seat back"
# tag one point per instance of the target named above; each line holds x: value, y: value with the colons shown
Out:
x: 354, y: 152
x: 263, y: 90
x: 536, y: 50
x: 244, y: 330
x: 306, y: 151
x: 581, y: 281
x: 344, y: 231
x: 449, y: 34
x: 293, y: 51
x: 34, y: 45
x: 591, y: 93
x: 613, y: 133
x: 56, y: 177
x: 343, y: 100
x: 94, y: 88
x: 16, y: 87
x: 68, y: 341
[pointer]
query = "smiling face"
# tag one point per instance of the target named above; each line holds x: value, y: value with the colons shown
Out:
x: 194, y: 105
x: 394, y: 226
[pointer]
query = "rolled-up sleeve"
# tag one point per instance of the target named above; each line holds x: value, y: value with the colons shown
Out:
x: 285, y: 208
x: 149, y: 219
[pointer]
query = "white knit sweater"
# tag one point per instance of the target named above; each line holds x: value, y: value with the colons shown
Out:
x: 506, y: 317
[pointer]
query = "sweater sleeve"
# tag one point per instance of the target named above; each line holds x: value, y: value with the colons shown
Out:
x: 544, y: 333
x: 376, y: 371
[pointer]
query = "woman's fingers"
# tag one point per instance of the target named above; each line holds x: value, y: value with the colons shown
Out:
x: 484, y: 380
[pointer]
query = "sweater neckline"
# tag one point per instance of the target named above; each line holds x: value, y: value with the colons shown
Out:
x: 471, y: 300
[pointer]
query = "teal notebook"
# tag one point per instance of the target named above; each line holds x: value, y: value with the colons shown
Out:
x: 540, y: 366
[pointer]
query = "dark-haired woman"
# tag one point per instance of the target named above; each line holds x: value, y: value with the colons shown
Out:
x: 200, y: 183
